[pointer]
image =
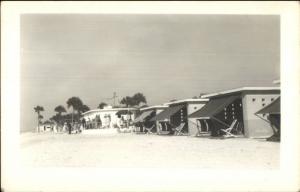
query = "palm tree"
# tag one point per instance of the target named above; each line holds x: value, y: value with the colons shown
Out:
x: 128, y: 101
x: 102, y: 105
x: 40, y: 118
x: 139, y: 98
x: 135, y: 100
x: 38, y: 109
x: 75, y: 103
x: 83, y: 108
x: 59, y: 109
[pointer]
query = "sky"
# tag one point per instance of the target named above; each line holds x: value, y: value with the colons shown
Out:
x: 164, y: 57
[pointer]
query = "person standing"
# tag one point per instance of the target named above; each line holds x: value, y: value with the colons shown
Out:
x: 69, y: 128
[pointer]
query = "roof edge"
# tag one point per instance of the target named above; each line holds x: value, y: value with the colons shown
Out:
x: 154, y: 107
x: 241, y: 89
x: 112, y: 109
x: 187, y: 100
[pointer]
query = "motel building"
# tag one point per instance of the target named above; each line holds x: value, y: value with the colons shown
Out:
x: 143, y: 123
x: 109, y: 117
x: 176, y: 116
x: 237, y: 108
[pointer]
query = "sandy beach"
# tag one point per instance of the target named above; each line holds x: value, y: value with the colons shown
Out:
x: 147, y: 151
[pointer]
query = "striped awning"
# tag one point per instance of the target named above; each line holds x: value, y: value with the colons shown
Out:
x: 143, y: 116
x: 167, y: 113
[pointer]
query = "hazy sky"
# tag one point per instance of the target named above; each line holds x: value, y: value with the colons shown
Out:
x: 163, y: 56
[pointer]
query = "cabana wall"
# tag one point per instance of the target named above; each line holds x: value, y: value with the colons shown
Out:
x: 144, y: 119
x: 219, y: 113
x: 254, y: 101
x: 180, y: 117
x: 177, y: 113
x: 192, y: 122
x: 245, y: 102
x: 232, y: 111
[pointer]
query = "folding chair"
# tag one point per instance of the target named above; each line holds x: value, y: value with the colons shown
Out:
x: 228, y: 131
x: 149, y: 129
x: 159, y: 128
x: 178, y: 130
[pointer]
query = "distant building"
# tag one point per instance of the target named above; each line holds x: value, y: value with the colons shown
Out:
x: 108, y: 117
x: 45, y: 127
x: 177, y: 113
x: 240, y: 104
x: 147, y: 113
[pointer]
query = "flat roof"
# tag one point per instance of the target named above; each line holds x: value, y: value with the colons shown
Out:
x: 105, y: 110
x: 186, y: 101
x: 154, y: 107
x: 241, y: 89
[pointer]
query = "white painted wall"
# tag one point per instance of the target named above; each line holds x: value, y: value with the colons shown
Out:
x: 254, y: 126
x: 192, y: 122
x: 105, y: 122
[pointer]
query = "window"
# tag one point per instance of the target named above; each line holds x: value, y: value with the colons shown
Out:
x: 263, y: 99
x: 195, y: 107
x: 225, y: 109
x: 272, y: 99
x: 263, y: 104
x: 253, y: 99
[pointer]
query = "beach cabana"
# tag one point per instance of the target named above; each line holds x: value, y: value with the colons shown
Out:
x: 237, y: 104
x: 176, y: 115
x: 273, y: 116
x: 143, y: 122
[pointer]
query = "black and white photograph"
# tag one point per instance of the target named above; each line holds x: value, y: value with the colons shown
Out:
x: 163, y: 91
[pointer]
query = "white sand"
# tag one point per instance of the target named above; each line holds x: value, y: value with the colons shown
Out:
x: 131, y: 150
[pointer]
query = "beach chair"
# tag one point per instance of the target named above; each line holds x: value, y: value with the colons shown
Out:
x: 228, y: 131
x: 149, y: 130
x: 159, y: 128
x: 178, y: 130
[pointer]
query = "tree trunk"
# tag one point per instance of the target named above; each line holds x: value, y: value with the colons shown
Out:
x: 38, y: 118
x: 72, y: 115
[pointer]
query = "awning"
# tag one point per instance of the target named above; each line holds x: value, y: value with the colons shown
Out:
x: 272, y: 108
x: 213, y: 107
x: 167, y: 113
x: 143, y: 116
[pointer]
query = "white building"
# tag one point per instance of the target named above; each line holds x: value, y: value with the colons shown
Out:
x: 177, y: 112
x: 143, y: 120
x: 239, y: 104
x: 109, y: 117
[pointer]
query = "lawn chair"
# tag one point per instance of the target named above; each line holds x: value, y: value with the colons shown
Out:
x: 149, y: 130
x: 178, y: 130
x: 159, y: 128
x: 228, y: 131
